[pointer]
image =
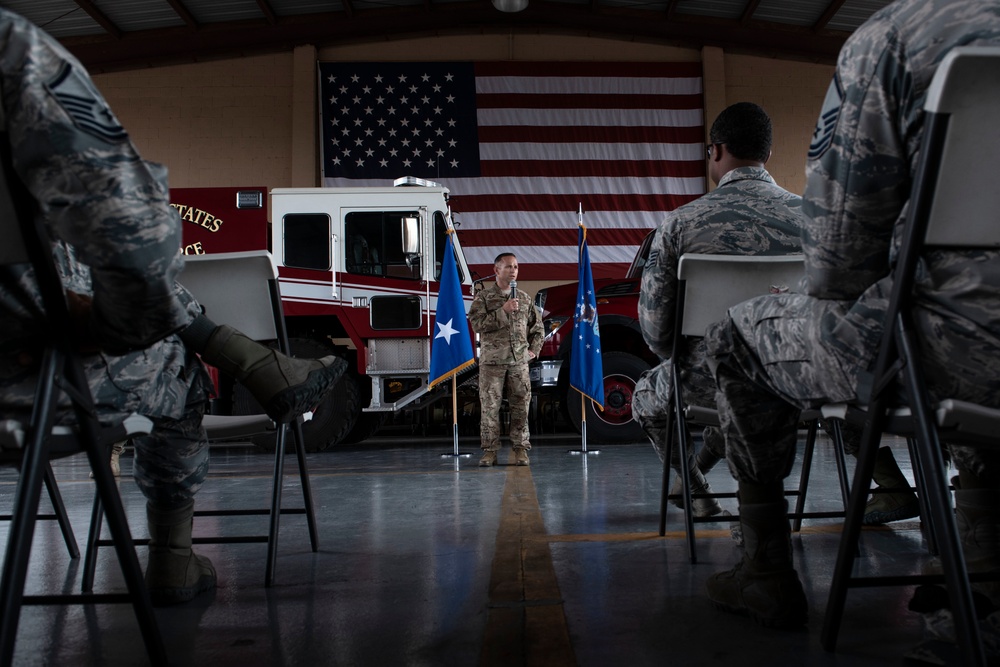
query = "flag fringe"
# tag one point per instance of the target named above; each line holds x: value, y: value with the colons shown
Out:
x: 449, y: 374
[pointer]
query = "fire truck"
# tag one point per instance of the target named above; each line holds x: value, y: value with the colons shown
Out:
x: 624, y: 353
x: 359, y: 272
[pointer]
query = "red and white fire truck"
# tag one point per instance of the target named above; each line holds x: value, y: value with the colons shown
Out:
x: 359, y: 270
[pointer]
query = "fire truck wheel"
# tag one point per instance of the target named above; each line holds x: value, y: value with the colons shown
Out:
x: 614, y: 424
x: 333, y: 418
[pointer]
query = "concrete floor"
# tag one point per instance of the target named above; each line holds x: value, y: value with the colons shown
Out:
x: 430, y: 560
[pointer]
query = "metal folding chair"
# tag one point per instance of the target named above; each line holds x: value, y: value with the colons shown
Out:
x: 951, y: 206
x: 30, y: 443
x: 241, y: 290
x: 708, y: 286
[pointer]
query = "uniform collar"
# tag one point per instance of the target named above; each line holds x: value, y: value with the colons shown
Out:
x: 746, y: 174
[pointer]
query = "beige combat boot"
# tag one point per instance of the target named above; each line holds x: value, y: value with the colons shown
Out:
x: 520, y: 456
x: 700, y: 507
x: 489, y: 458
x: 174, y: 573
x: 115, y: 460
x: 284, y: 386
x: 894, y: 506
x: 763, y: 585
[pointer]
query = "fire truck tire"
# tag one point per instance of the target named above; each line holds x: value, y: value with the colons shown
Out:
x: 333, y: 418
x: 615, y: 424
x: 365, y: 427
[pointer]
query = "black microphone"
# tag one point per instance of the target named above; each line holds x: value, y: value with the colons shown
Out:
x: 513, y: 289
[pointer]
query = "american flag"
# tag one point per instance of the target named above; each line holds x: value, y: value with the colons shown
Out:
x: 521, y: 146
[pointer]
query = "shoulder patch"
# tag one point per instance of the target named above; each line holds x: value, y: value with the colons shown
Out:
x: 90, y: 113
x: 827, y: 123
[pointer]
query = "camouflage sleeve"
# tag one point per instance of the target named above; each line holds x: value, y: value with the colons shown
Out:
x: 94, y: 190
x: 858, y: 173
x: 659, y: 287
x: 536, y: 331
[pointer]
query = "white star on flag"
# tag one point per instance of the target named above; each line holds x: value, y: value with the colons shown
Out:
x: 446, y: 331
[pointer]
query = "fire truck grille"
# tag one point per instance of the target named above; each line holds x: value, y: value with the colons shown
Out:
x: 397, y: 355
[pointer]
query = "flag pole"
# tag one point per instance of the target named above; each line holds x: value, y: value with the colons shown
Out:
x: 583, y: 396
x: 450, y: 310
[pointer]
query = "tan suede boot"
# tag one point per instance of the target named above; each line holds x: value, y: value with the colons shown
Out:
x: 284, y: 386
x: 174, y: 573
x: 700, y: 507
x: 489, y: 458
x: 521, y: 456
x: 115, y: 460
x: 764, y: 584
x: 895, y: 506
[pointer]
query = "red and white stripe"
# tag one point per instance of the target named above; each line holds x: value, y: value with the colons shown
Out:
x: 625, y: 140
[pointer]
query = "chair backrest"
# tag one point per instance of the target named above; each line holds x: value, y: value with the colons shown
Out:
x: 964, y: 98
x: 236, y: 289
x: 715, y: 283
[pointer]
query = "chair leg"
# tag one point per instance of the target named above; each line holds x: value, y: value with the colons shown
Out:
x: 307, y: 497
x: 279, y: 471
x: 665, y: 485
x: 107, y: 490
x: 807, y: 457
x: 685, y: 471
x: 19, y: 539
x: 60, y: 511
x: 920, y: 481
x: 26, y: 501
x: 841, y: 460
x: 90, y: 554
x: 853, y: 521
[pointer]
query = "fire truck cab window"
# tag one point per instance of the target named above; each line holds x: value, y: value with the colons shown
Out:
x: 307, y: 240
x: 375, y: 244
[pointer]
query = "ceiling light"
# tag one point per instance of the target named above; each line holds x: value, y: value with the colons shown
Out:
x: 510, y: 5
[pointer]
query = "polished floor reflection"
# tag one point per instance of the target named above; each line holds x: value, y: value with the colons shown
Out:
x: 427, y: 559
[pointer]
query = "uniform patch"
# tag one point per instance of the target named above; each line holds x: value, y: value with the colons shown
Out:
x: 827, y: 123
x: 80, y: 99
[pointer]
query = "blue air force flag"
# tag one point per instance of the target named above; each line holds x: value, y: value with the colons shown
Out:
x: 586, y: 372
x: 451, y: 347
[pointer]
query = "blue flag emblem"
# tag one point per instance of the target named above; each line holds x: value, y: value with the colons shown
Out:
x: 586, y: 373
x: 451, y: 347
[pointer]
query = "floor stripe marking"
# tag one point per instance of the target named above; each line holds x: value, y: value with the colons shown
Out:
x: 526, y: 623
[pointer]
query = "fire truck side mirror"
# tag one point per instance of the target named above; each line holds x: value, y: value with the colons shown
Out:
x: 411, y: 236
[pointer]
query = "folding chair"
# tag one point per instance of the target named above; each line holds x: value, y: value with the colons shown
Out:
x: 59, y: 513
x: 30, y: 444
x: 951, y: 206
x: 708, y: 286
x: 241, y: 289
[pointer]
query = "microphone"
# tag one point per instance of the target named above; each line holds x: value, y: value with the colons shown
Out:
x: 513, y: 289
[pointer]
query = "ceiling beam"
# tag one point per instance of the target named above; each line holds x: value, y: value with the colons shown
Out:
x: 748, y: 11
x: 101, y: 18
x: 828, y: 14
x: 218, y: 40
x: 183, y: 12
x: 269, y: 14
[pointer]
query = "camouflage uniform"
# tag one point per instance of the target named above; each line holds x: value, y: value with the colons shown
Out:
x: 117, y: 241
x: 747, y: 214
x: 778, y: 354
x: 503, y: 360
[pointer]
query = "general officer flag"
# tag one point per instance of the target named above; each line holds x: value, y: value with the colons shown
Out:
x: 586, y: 373
x: 451, y: 350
